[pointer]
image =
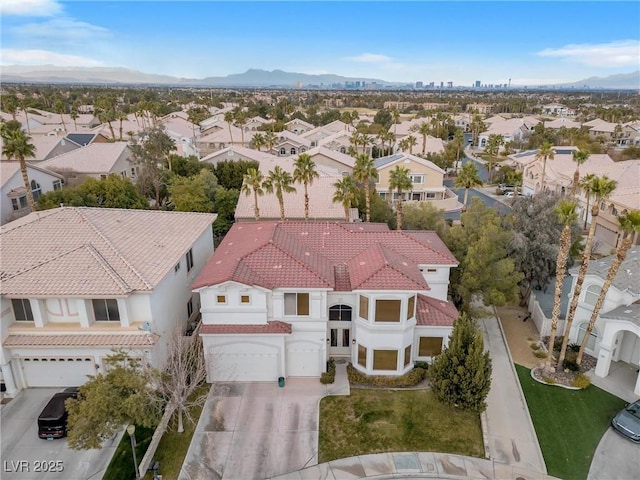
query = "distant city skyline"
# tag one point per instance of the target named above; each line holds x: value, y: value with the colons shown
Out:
x: 531, y: 43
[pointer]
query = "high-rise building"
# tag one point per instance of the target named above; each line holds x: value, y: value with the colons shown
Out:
x: 477, y: 85
x: 419, y: 85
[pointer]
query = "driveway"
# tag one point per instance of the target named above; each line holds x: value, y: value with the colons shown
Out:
x: 616, y: 458
x: 27, y: 457
x: 255, y: 430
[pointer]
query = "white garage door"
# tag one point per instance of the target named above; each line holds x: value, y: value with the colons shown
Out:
x: 57, y: 371
x: 303, y: 362
x: 228, y: 367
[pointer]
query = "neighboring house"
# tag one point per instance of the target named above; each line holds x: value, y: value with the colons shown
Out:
x: 47, y: 147
x: 290, y: 144
x: 236, y: 153
x: 558, y: 110
x: 254, y: 123
x: 333, y: 159
x: 616, y: 336
x: 96, y: 160
x: 78, y: 282
x: 559, y: 178
x: 184, y: 133
x: 512, y: 130
x: 340, y: 142
x: 433, y: 145
x: 84, y: 139
x: 463, y: 121
x: 13, y: 197
x: 621, y: 135
x: 221, y: 135
x: 426, y: 176
x: 559, y: 123
x: 280, y: 299
x: 298, y: 126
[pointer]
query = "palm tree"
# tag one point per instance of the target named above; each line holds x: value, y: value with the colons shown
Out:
x: 240, y: 121
x: 477, y: 127
x: 24, y: 104
x: 423, y: 129
x: 585, y: 185
x: 253, y: 184
x: 16, y: 144
x: 579, y: 156
x: 304, y: 172
x: 467, y: 178
x: 364, y: 171
x: 228, y: 117
x: 629, y: 224
x: 544, y: 152
x: 400, y: 180
x: 59, y: 108
x: 74, y: 116
x: 258, y: 141
x: 279, y: 181
x: 270, y: 139
x: 458, y: 141
x: 345, y: 193
x: 566, y: 210
x: 601, y: 188
x: 411, y: 142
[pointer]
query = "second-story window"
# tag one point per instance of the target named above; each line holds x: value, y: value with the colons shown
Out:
x: 22, y: 310
x: 296, y: 304
x: 106, y: 310
x: 189, y: 260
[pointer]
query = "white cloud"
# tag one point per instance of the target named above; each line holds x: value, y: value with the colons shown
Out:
x: 613, y: 54
x: 32, y: 8
x: 60, y: 30
x: 10, y: 56
x: 369, y: 58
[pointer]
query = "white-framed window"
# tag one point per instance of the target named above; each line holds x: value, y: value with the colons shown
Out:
x: 417, y: 178
x: 189, y: 257
x: 57, y: 184
x: 293, y: 151
x: 22, y: 310
x: 283, y: 151
x: 36, y: 191
x: 593, y: 336
x: 591, y: 294
x: 431, y: 195
x: 296, y: 304
x: 106, y: 310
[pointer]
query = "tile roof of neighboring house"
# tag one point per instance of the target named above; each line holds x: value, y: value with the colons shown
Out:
x: 435, y: 313
x: 9, y: 169
x: 80, y: 251
x: 627, y: 192
x: 96, y: 158
x: 306, y: 254
x: 275, y: 327
x: 383, y: 162
x: 628, y: 276
x: 297, y: 121
x: 321, y: 193
x: 222, y: 135
x: 180, y: 127
x: 562, y: 122
x: 505, y: 127
x: 119, y: 340
x: 286, y: 135
x: 343, y: 158
x: 629, y: 313
x: 44, y: 145
x: 229, y: 154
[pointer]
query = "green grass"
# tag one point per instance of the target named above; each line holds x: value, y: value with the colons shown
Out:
x: 173, y: 445
x: 569, y: 423
x: 121, y: 464
x: 374, y: 421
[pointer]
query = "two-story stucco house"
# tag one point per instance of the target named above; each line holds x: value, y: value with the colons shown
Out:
x: 79, y: 282
x: 280, y: 299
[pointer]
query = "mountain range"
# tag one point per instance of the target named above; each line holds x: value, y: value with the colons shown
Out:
x: 250, y: 78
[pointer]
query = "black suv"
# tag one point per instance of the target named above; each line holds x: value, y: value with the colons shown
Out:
x: 52, y: 422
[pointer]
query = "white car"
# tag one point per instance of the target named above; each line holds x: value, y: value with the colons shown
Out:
x: 512, y: 194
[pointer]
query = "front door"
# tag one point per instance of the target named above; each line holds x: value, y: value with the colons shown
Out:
x: 340, y: 330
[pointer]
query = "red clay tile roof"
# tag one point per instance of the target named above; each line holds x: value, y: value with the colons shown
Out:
x: 305, y: 254
x: 275, y: 327
x: 435, y: 313
x: 83, y: 340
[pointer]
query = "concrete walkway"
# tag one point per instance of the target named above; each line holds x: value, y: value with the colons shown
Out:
x: 511, y: 437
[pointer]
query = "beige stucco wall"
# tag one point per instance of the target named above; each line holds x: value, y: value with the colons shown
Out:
x: 432, y: 177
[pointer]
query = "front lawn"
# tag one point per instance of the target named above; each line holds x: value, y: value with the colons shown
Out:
x: 374, y: 421
x: 569, y: 423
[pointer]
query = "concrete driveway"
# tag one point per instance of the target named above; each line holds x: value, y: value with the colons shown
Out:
x: 27, y: 457
x: 255, y: 430
x: 616, y: 458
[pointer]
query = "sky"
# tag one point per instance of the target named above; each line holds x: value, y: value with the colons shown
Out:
x: 531, y: 43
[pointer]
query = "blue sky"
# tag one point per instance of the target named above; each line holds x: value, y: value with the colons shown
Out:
x: 527, y: 42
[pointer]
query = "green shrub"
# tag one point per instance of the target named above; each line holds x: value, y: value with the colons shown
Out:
x: 574, y: 347
x: 409, y: 379
x: 557, y: 344
x: 330, y: 375
x: 581, y: 381
x: 535, y: 346
x: 540, y: 354
x: 571, y: 365
x: 549, y: 380
x: 421, y: 364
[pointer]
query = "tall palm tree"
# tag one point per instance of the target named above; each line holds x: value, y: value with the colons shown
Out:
x: 16, y: 144
x: 25, y: 103
x: 59, y: 108
x: 304, y: 172
x: 585, y: 185
x: 279, y: 181
x: 579, y: 156
x: 458, y: 141
x: 253, y: 184
x: 411, y: 142
x: 258, y: 141
x: 228, y: 117
x: 544, y: 152
x: 566, y: 210
x: 345, y: 193
x: 629, y: 224
x: 240, y: 121
x: 270, y: 139
x: 395, y: 115
x: 423, y: 129
x: 74, y: 116
x: 364, y: 171
x: 468, y: 178
x: 601, y: 188
x: 400, y: 180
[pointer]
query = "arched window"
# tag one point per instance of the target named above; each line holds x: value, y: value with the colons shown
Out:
x: 593, y: 337
x: 293, y: 151
x: 283, y: 151
x: 343, y: 150
x: 35, y: 190
x: 340, y: 312
x: 591, y: 294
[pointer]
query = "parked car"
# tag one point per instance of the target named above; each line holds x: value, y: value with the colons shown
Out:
x: 52, y: 422
x: 627, y: 421
x: 511, y: 194
x: 506, y: 188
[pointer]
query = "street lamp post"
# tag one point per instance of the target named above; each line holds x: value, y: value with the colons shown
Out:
x: 131, y: 430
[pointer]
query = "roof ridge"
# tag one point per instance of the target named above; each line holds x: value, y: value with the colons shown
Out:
x: 329, y: 282
x: 108, y: 268
x: 440, y: 254
x: 94, y: 227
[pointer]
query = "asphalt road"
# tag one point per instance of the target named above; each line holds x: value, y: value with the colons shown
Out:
x: 27, y: 457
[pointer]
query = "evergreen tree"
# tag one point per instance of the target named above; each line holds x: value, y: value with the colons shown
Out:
x: 461, y: 374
